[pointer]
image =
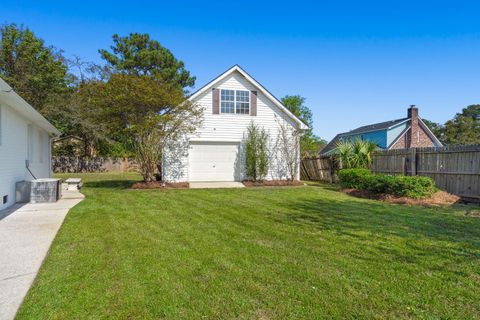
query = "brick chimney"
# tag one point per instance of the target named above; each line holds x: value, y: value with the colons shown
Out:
x: 413, y: 135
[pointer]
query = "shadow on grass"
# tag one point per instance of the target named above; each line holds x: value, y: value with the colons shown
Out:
x: 110, y: 184
x: 324, y: 185
x: 360, y: 217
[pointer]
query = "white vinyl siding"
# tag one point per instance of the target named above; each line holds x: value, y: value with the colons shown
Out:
x: 30, y: 143
x: 232, y: 128
x: 0, y: 125
x: 15, y: 149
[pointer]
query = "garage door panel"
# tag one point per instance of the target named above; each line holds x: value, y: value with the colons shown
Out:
x: 213, y: 161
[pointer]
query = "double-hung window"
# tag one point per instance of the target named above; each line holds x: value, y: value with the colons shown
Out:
x: 235, y: 101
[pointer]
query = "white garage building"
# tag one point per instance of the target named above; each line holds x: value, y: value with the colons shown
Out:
x: 215, y: 152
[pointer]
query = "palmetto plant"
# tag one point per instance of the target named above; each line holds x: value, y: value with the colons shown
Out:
x: 356, y: 153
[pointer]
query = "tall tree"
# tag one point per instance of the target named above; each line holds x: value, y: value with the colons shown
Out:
x: 36, y: 72
x: 464, y: 128
x: 310, y: 144
x: 437, y: 129
x: 139, y: 55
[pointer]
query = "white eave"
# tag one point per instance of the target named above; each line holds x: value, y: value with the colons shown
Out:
x: 261, y: 88
x: 13, y: 100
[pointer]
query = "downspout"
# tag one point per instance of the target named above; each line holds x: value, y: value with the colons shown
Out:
x: 50, y: 157
x: 27, y: 165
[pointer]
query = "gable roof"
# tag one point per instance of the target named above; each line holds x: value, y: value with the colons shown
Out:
x: 254, y: 82
x: 378, y: 127
x: 363, y: 129
x: 13, y: 100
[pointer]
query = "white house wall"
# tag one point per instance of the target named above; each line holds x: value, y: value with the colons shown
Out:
x: 14, y: 152
x: 232, y: 128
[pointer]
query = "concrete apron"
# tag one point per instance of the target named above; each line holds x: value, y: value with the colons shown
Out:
x: 213, y: 185
x: 26, y: 232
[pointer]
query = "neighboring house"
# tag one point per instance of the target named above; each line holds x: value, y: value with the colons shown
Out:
x: 215, y: 152
x: 24, y: 140
x: 409, y: 132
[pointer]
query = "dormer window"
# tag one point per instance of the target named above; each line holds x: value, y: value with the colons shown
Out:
x: 235, y: 101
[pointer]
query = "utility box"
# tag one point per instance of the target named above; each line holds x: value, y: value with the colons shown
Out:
x: 38, y: 190
x: 22, y: 191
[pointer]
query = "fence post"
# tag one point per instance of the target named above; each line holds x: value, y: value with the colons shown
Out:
x: 413, y: 162
x: 331, y: 168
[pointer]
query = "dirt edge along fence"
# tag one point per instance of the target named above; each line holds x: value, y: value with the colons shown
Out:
x: 455, y: 169
x: 87, y: 164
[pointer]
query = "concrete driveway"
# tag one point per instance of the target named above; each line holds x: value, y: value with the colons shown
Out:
x: 26, y: 232
x: 212, y: 185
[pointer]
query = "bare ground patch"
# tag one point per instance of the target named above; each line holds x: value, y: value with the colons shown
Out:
x: 440, y: 198
x: 272, y: 183
x: 160, y: 185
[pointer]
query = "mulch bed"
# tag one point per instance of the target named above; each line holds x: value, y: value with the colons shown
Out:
x: 440, y: 198
x: 272, y: 183
x: 160, y: 185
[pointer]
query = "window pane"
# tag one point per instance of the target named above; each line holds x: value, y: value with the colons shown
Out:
x: 243, y: 108
x: 243, y: 96
x: 227, y: 107
x: 227, y: 95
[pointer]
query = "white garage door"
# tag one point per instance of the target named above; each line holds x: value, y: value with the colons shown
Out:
x: 213, y: 161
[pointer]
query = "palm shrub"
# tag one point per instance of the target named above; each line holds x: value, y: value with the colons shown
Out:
x: 256, y: 152
x: 356, y: 153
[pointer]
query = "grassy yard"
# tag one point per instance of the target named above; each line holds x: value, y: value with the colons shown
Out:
x: 269, y: 253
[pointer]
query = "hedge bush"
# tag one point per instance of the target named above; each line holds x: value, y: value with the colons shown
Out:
x: 401, y: 186
x: 353, y: 178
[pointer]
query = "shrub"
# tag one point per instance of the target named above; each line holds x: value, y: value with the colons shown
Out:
x: 412, y: 187
x: 401, y: 186
x: 355, y: 153
x: 353, y: 178
x: 256, y: 153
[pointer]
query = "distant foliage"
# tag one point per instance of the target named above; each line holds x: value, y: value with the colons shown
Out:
x: 415, y: 187
x: 463, y: 129
x: 256, y: 152
x: 355, y: 154
x: 310, y: 144
x: 37, y: 72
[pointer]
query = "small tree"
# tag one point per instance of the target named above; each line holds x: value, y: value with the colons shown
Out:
x: 142, y: 113
x: 256, y: 152
x: 288, y: 145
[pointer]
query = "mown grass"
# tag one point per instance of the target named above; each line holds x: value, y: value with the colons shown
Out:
x: 263, y: 253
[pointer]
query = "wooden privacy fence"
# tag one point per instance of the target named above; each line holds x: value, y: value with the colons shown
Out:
x: 454, y: 169
x: 62, y: 164
x: 319, y: 169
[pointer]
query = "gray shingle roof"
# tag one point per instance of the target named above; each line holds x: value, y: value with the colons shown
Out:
x: 368, y: 128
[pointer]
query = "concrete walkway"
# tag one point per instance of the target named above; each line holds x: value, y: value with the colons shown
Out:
x: 26, y: 232
x: 212, y: 185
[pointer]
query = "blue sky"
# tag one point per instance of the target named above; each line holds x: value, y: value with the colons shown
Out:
x: 356, y: 62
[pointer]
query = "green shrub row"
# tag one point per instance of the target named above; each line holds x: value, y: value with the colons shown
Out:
x: 402, y: 186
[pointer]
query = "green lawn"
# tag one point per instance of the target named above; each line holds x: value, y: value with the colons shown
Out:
x: 268, y: 253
